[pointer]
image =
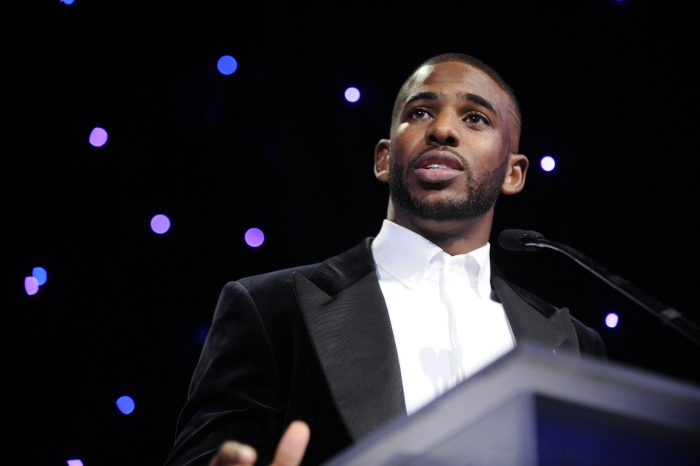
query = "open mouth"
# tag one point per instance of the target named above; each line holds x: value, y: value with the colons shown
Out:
x: 438, y: 167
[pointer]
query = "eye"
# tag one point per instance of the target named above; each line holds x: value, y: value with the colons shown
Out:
x: 417, y: 113
x: 476, y: 118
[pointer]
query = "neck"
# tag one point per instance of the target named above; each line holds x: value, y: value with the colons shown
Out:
x: 452, y: 236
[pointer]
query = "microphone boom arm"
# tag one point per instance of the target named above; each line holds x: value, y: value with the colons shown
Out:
x: 668, y: 315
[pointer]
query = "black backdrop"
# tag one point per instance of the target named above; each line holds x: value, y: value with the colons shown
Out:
x: 610, y: 88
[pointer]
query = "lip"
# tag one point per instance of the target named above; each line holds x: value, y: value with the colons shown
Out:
x: 436, y: 175
x: 453, y: 166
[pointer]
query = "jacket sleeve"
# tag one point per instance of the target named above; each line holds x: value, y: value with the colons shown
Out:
x: 234, y: 393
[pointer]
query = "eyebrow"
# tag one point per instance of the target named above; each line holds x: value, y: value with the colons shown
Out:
x: 475, y: 98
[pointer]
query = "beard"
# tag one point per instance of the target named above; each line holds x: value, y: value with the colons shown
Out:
x: 479, y: 194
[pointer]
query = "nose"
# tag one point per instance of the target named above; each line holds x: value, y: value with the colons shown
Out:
x: 443, y: 130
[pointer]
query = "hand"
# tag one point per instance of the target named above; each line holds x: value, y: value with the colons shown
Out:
x: 289, y: 451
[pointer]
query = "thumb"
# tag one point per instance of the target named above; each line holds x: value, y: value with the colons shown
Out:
x: 292, y: 446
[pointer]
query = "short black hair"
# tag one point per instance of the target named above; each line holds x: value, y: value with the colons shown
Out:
x: 463, y: 58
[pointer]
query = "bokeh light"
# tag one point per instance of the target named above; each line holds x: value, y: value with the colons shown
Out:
x: 126, y: 404
x: 98, y: 137
x: 352, y: 94
x: 31, y: 285
x: 40, y: 274
x: 612, y: 319
x: 254, y: 237
x: 227, y: 65
x: 75, y: 462
x: 547, y: 163
x: 160, y: 224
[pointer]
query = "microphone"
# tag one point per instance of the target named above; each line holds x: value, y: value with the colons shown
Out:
x: 519, y: 240
x: 527, y: 240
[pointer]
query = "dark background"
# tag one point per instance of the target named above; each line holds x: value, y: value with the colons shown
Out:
x: 609, y: 88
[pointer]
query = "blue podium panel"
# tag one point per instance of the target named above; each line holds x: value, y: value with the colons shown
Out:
x: 534, y: 408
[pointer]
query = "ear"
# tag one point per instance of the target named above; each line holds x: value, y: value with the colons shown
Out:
x: 514, y: 181
x: 382, y: 153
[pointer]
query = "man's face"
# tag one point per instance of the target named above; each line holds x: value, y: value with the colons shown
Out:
x: 450, y: 143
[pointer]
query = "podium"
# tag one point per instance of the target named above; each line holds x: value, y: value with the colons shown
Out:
x: 535, y: 408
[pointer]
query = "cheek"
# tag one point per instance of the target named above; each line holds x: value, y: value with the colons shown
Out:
x: 408, y: 139
x: 487, y: 152
x: 407, y: 132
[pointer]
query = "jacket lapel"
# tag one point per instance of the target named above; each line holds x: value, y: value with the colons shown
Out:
x: 349, y: 325
x: 533, y: 319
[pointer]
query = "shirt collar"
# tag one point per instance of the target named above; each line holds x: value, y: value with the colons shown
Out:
x: 409, y: 257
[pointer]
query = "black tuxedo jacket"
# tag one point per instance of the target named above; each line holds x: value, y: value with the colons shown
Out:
x: 315, y: 343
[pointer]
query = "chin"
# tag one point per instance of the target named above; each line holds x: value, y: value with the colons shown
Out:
x: 439, y: 199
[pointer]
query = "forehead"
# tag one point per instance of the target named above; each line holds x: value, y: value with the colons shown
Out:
x: 455, y: 79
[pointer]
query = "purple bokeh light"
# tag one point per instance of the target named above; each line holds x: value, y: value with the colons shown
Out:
x: 254, y: 237
x: 612, y: 319
x: 31, y: 285
x: 160, y: 223
x: 352, y: 94
x: 98, y: 137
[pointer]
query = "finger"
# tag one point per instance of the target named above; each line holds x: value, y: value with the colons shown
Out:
x: 234, y: 454
x: 292, y: 446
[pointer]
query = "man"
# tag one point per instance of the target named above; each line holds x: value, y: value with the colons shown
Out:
x: 335, y: 350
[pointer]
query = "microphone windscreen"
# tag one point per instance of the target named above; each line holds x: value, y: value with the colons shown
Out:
x: 514, y: 239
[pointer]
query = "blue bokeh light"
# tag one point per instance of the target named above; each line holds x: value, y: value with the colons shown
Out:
x: 227, y: 65
x: 126, y: 404
x: 40, y: 274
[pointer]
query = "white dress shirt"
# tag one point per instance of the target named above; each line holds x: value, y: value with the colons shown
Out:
x: 445, y: 324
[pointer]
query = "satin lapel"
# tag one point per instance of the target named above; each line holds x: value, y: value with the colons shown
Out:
x: 532, y: 319
x: 349, y: 326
